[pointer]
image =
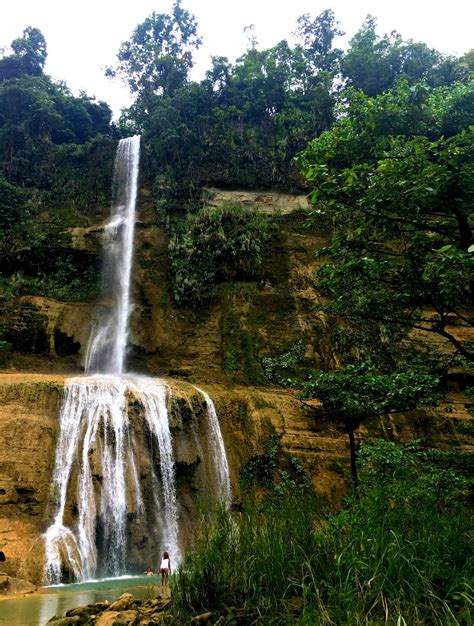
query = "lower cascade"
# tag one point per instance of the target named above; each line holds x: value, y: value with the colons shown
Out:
x: 114, y: 487
x: 114, y: 480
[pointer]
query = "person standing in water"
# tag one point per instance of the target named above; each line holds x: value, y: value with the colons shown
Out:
x: 165, y: 567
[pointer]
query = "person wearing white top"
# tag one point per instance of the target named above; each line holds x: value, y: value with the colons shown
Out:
x: 165, y: 567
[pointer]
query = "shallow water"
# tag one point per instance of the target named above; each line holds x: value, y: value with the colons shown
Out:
x: 37, y: 609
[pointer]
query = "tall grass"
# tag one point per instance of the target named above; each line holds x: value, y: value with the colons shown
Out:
x: 389, y: 557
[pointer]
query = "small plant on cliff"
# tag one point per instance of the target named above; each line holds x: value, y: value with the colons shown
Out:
x: 274, y: 473
x: 278, y: 368
x: 5, y: 349
x: 216, y: 245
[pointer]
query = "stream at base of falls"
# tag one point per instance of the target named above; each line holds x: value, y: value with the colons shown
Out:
x: 38, y: 608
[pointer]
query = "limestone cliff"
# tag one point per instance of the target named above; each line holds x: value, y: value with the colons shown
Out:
x: 224, y: 341
x: 220, y: 347
x: 248, y: 416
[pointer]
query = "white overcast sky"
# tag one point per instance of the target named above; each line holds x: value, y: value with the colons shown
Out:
x: 83, y: 36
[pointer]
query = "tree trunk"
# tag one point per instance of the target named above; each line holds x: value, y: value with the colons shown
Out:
x: 352, y: 447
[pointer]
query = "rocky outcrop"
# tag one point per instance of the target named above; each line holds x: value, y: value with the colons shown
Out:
x: 125, y: 610
x: 273, y: 202
x: 10, y: 586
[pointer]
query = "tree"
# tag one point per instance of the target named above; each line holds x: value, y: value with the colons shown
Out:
x: 243, y: 124
x: 31, y: 48
x: 29, y: 56
x: 373, y: 64
x: 357, y: 392
x: 159, y: 55
x: 317, y: 37
x: 395, y: 177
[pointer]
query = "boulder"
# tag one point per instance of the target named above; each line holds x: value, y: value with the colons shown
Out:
x: 116, y: 618
x: 15, y: 586
x: 65, y: 621
x: 123, y: 603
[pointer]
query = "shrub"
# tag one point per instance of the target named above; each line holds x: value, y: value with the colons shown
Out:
x: 216, y: 245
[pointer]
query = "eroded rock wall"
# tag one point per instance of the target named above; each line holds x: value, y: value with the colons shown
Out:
x: 248, y: 416
x: 224, y: 341
x: 28, y: 429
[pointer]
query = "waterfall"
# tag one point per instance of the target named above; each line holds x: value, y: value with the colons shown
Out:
x: 97, y: 436
x: 218, y: 451
x: 114, y: 474
x: 108, y: 341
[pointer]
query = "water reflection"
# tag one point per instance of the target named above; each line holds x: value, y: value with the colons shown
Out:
x: 38, y: 609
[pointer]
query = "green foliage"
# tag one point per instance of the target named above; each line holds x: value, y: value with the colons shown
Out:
x: 158, y: 57
x: 28, y: 58
x: 398, y: 555
x: 466, y: 427
x: 241, y: 125
x: 370, y: 340
x: 373, y: 64
x: 36, y: 117
x: 5, y: 348
x: 244, y: 123
x: 272, y: 471
x: 356, y: 392
x: 260, y: 470
x: 25, y: 328
x: 317, y: 37
x: 37, y: 260
x: 55, y: 158
x: 68, y: 280
x: 443, y: 484
x: 394, y: 175
x: 12, y: 209
x: 39, y: 118
x: 213, y: 246
x: 240, y: 353
x: 288, y: 363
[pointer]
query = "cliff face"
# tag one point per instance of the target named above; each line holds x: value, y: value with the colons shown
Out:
x: 248, y: 416
x: 221, y: 348
x: 28, y: 429
x: 29, y: 405
x: 225, y: 340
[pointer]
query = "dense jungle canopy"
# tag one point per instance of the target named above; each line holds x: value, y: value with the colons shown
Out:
x: 379, y: 135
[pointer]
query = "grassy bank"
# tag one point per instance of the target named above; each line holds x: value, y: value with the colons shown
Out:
x: 398, y: 554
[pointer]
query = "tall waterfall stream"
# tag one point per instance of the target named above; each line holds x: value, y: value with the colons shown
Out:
x: 114, y: 475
